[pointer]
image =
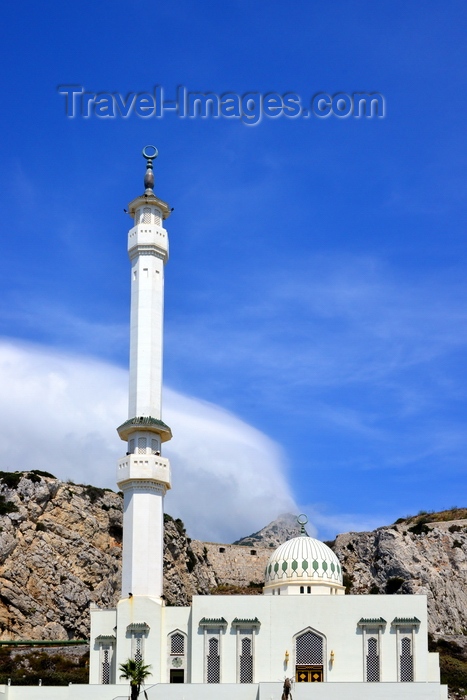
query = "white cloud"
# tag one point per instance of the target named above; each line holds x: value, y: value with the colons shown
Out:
x: 59, y: 413
x: 227, y: 475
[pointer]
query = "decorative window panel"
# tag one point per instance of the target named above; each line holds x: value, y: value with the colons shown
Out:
x: 309, y: 649
x: 177, y: 644
x: 246, y: 659
x: 406, y: 660
x: 372, y: 660
x: 137, y: 646
x: 213, y: 660
x: 157, y: 217
x: 106, y: 655
x: 146, y: 219
x: 142, y: 444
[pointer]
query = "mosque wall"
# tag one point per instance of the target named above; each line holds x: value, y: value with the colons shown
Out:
x: 336, y: 618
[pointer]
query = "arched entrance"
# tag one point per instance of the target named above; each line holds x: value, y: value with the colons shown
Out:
x: 309, y: 655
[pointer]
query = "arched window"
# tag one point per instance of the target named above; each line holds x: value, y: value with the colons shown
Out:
x: 106, y: 654
x: 213, y: 665
x: 177, y: 644
x: 309, y: 657
x: 309, y: 649
x: 246, y: 661
x: 138, y: 632
x: 406, y: 660
x: 105, y: 667
x: 176, y: 657
x: 146, y: 218
x: 137, y: 644
x: 372, y: 660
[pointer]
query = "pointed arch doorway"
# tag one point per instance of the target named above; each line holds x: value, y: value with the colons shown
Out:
x: 309, y: 657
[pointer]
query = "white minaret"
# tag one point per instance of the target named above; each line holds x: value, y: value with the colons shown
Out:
x: 143, y: 475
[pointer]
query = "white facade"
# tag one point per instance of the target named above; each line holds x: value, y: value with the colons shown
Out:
x: 235, y: 647
x: 360, y: 643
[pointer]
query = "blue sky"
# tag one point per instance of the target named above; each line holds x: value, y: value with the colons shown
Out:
x: 315, y: 295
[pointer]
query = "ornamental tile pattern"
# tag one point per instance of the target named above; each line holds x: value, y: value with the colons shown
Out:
x: 303, y: 558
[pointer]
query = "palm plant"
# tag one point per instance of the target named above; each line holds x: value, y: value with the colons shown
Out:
x: 136, y: 672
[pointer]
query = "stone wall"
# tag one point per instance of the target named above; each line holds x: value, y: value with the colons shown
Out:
x: 233, y: 564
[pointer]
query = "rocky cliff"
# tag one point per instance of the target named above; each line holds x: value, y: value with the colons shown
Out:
x: 424, y: 554
x: 60, y: 550
x: 280, y: 530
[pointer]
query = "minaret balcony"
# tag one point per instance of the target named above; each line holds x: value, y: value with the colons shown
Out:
x: 145, y: 237
x: 146, y: 424
x: 148, y: 467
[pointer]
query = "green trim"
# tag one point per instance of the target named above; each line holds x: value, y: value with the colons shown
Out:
x: 138, y: 627
x: 406, y: 621
x: 106, y: 638
x: 367, y: 621
x: 145, y: 422
x: 213, y: 621
x: 240, y: 622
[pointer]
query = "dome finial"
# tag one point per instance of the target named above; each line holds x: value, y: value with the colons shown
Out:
x: 150, y: 155
x: 302, y: 521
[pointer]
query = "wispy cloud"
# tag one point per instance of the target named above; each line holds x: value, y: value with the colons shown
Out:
x: 339, y: 320
x: 59, y: 413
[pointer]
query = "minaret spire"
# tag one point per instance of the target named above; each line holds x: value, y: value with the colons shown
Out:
x: 302, y: 521
x: 144, y: 475
x: 149, y: 176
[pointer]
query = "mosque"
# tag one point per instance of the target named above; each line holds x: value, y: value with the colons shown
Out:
x: 333, y: 646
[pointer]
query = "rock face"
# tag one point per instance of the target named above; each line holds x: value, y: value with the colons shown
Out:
x: 186, y: 569
x: 60, y: 551
x: 60, y: 548
x: 280, y: 530
x: 413, y: 556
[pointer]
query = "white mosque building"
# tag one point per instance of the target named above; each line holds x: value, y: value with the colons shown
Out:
x: 334, y: 646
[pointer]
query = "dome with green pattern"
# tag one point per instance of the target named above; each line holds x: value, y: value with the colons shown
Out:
x: 303, y: 560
